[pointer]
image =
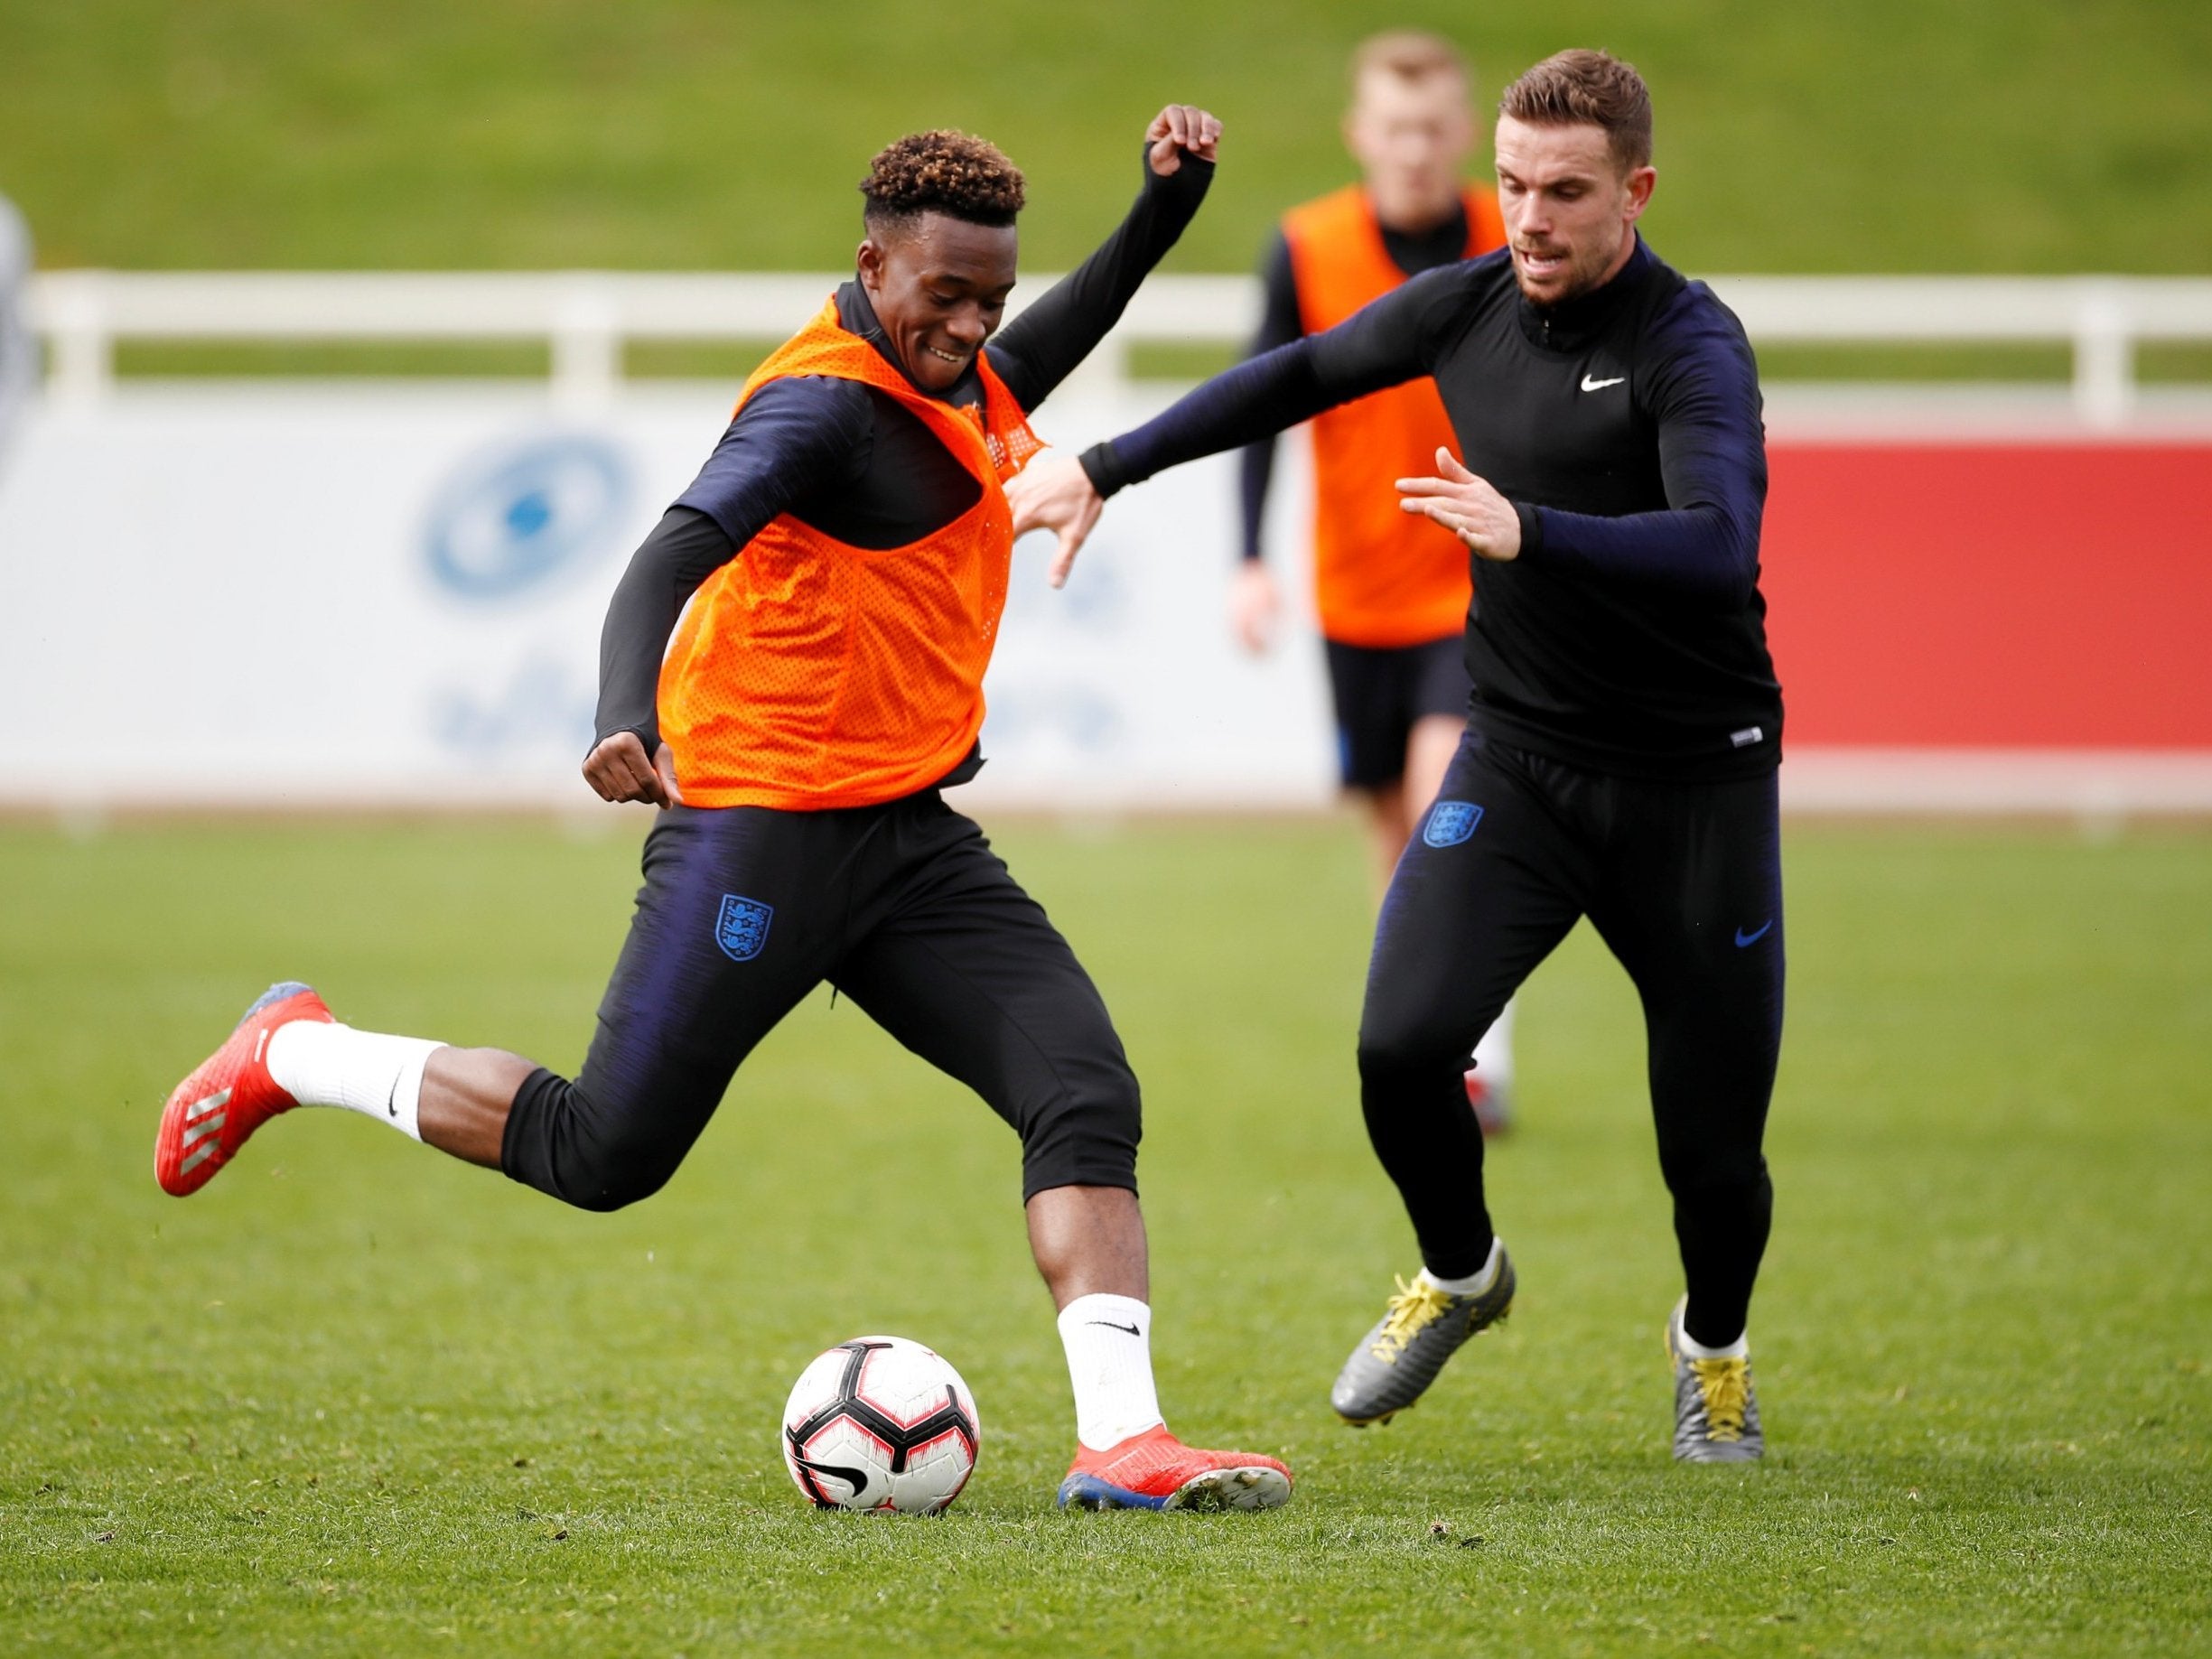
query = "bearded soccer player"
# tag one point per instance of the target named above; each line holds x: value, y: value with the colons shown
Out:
x: 1620, y: 753
x: 845, y: 553
x: 1391, y: 591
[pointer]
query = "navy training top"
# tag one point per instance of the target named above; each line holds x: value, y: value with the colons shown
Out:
x: 1630, y: 635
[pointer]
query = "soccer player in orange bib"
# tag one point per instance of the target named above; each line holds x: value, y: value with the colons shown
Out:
x: 844, y: 554
x: 1391, y: 591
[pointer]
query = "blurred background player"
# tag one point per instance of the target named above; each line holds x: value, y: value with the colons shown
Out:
x: 835, y: 579
x: 19, y: 360
x: 1391, y: 591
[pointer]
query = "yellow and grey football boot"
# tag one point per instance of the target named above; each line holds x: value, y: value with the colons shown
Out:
x: 1422, y: 1328
x: 1716, y: 1410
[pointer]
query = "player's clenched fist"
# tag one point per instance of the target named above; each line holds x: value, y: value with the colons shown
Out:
x: 618, y: 769
x: 1467, y: 506
x: 1177, y: 128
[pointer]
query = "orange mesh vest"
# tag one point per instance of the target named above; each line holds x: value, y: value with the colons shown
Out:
x: 808, y: 674
x: 1381, y: 577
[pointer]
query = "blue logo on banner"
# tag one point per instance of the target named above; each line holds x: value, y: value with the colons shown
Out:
x: 507, y: 521
x: 742, y: 928
x: 1450, y: 823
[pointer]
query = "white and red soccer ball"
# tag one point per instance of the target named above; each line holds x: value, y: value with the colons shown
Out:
x: 880, y: 1424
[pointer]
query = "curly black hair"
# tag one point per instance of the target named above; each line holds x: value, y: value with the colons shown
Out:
x: 941, y: 172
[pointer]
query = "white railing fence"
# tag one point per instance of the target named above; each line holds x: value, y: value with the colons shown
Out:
x: 588, y: 317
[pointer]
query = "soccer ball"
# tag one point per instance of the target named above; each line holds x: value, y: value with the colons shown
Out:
x: 880, y: 1424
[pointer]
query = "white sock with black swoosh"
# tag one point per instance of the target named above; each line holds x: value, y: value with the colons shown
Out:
x: 1110, y: 1343
x: 379, y: 1076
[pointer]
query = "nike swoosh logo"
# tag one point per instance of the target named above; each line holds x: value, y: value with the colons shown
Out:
x: 1109, y: 1324
x: 391, y: 1101
x: 1599, y: 386
x: 855, y: 1479
x: 1744, y: 938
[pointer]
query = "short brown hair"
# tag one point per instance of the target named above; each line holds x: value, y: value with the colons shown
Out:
x: 942, y: 172
x: 1587, y: 88
x: 1410, y: 54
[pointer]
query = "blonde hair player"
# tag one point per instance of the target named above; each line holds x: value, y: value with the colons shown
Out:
x: 1391, y: 591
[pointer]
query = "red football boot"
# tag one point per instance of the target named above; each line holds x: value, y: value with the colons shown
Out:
x: 212, y: 1112
x: 1155, y: 1470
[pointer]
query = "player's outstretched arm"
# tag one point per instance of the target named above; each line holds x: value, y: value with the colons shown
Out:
x: 1384, y: 344
x: 1261, y: 396
x: 1387, y: 343
x: 1041, y: 347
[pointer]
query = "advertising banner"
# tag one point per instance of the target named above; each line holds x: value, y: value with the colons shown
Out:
x: 385, y: 595
x: 377, y: 595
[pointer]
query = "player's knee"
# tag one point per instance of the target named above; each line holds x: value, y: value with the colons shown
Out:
x: 1085, y: 1134
x: 615, y: 1178
x: 1393, y: 1048
x: 586, y: 1151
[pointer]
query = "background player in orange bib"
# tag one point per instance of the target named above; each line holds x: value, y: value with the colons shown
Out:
x: 844, y: 554
x: 1391, y: 591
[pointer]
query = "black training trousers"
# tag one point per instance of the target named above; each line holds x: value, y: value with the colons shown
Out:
x: 1683, y: 883
x: 905, y: 908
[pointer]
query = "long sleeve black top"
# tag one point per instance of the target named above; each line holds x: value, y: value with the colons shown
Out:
x: 852, y: 462
x: 1630, y: 635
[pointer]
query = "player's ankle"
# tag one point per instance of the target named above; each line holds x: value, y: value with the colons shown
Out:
x: 368, y: 1072
x: 1474, y: 1283
x: 1108, y: 1342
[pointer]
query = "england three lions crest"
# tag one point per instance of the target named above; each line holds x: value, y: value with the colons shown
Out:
x: 1450, y: 823
x: 742, y: 928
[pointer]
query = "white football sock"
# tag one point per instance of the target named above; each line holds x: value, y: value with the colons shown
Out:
x: 1494, y: 1053
x: 1478, y: 1283
x: 1108, y: 1339
x: 1740, y: 1348
x: 379, y: 1076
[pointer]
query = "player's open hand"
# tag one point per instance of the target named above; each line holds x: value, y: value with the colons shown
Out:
x: 1054, y: 493
x: 1467, y: 506
x: 618, y: 769
x: 1177, y: 128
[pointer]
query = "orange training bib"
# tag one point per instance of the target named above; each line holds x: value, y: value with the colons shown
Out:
x: 808, y: 674
x: 1382, y: 577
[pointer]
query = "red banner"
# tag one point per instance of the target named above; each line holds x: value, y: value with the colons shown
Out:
x: 1992, y: 595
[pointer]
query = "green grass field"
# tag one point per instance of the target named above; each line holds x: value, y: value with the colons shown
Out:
x: 355, y: 1398
x: 1877, y: 136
